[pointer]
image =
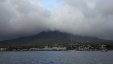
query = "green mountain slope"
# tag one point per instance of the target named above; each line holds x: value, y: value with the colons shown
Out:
x: 52, y: 38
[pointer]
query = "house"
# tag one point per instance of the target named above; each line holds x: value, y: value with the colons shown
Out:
x: 3, y: 49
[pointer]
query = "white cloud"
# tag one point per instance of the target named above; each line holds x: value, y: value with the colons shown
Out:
x: 83, y: 17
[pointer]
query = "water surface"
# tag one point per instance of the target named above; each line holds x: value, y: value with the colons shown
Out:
x: 56, y: 57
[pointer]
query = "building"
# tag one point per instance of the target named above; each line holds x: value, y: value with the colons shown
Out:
x: 46, y: 48
x: 3, y: 49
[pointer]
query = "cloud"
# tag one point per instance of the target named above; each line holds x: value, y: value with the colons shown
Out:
x: 83, y: 17
x: 89, y: 18
x: 22, y: 17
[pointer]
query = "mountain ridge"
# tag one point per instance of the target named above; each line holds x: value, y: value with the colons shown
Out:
x: 51, y: 38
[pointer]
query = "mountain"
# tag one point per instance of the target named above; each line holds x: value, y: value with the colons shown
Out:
x: 52, y: 38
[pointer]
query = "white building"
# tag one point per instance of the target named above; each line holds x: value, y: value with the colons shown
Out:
x: 54, y: 48
x: 3, y: 49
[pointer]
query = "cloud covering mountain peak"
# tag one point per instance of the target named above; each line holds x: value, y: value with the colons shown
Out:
x: 83, y: 17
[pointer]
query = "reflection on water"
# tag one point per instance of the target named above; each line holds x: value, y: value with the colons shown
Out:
x: 57, y: 57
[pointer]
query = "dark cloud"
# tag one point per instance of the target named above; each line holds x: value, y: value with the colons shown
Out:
x: 84, y: 17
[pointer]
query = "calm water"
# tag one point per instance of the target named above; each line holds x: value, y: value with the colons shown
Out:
x: 57, y: 57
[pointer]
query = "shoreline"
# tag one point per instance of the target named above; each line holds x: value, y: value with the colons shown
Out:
x: 58, y: 50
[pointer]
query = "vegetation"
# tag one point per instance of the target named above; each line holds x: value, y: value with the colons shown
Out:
x: 55, y: 38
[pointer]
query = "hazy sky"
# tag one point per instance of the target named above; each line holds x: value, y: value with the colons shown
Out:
x: 82, y: 17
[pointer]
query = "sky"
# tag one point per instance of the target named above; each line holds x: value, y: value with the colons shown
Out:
x: 50, y: 4
x: 20, y: 18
